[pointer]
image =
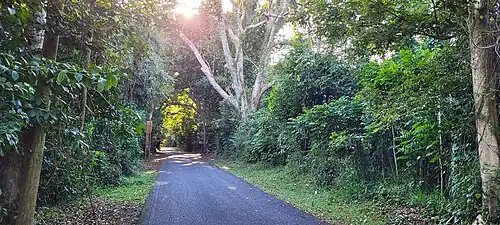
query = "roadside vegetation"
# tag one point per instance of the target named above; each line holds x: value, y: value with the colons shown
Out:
x: 78, y: 80
x: 133, y: 189
x: 333, y: 205
x: 121, y: 204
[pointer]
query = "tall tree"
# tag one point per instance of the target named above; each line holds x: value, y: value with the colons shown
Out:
x: 22, y: 171
x: 233, y: 27
x: 378, y: 26
x: 484, y: 64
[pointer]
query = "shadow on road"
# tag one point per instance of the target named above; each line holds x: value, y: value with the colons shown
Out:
x: 173, y: 155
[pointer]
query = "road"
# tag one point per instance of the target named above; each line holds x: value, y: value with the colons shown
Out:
x: 190, y: 191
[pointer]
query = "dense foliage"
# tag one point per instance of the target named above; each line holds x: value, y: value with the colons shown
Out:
x: 91, y: 102
x: 403, y: 123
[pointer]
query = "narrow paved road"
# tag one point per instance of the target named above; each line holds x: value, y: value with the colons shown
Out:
x: 189, y: 191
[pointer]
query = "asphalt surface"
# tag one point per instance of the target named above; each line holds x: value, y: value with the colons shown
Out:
x: 189, y: 191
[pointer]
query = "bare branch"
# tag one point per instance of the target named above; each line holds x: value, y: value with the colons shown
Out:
x: 267, y: 86
x: 234, y: 38
x: 207, y: 71
x: 227, y: 52
x: 282, y: 16
x: 255, y: 25
x: 272, y: 29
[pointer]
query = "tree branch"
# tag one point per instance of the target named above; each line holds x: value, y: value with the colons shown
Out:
x: 225, y: 25
x: 266, y: 87
x: 255, y: 25
x: 227, y: 52
x: 439, y: 37
x: 207, y: 71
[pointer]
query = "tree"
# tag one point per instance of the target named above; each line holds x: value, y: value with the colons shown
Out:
x: 234, y: 26
x: 379, y: 26
x: 178, y: 124
x: 484, y: 59
x: 22, y: 172
x: 40, y: 97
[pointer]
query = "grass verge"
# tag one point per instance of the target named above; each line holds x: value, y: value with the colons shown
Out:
x: 303, y: 194
x: 133, y: 189
x: 119, y: 205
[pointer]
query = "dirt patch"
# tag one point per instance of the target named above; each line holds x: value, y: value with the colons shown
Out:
x: 101, y: 211
x: 408, y: 215
x: 98, y: 210
x: 153, y: 162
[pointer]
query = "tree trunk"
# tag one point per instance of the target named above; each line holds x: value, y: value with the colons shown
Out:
x: 10, y: 175
x: 29, y: 182
x: 483, y: 61
x: 440, y: 161
x: 233, y: 29
x: 34, y: 139
x: 20, y: 172
x: 87, y: 37
x: 394, y: 152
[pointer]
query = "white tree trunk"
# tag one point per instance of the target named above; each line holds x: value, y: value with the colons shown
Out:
x: 232, y: 33
x: 208, y: 72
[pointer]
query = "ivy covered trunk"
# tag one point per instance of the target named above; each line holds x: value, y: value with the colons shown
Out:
x: 483, y: 63
x: 20, y: 170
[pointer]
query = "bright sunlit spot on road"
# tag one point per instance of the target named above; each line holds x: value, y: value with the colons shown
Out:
x: 190, y: 8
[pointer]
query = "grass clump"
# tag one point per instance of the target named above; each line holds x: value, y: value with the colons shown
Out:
x: 302, y: 192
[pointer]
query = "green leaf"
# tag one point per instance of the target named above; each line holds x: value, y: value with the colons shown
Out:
x: 434, y: 159
x: 61, y: 76
x: 3, y: 68
x: 78, y: 77
x: 15, y: 75
x: 109, y: 83
x: 101, y: 84
x: 11, y: 11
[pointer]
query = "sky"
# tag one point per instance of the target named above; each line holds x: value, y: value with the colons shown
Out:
x: 189, y: 8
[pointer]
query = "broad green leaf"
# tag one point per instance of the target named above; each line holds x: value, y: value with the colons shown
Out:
x: 110, y: 82
x: 3, y: 68
x: 61, y: 76
x: 15, y: 75
x: 11, y: 11
x: 78, y: 76
x: 101, y: 84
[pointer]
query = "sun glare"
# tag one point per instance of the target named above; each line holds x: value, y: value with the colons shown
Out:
x: 227, y: 6
x: 187, y: 8
x: 190, y: 8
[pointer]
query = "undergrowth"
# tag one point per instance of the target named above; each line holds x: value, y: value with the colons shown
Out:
x: 124, y: 199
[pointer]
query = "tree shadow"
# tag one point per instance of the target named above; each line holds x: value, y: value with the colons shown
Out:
x: 174, y: 155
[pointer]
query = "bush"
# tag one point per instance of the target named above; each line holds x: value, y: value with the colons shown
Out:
x: 74, y: 163
x: 242, y: 141
x: 225, y: 126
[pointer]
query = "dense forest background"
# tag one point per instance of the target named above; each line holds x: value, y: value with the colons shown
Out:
x: 387, y: 101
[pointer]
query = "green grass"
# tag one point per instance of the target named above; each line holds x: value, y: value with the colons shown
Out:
x: 133, y: 189
x: 303, y: 194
